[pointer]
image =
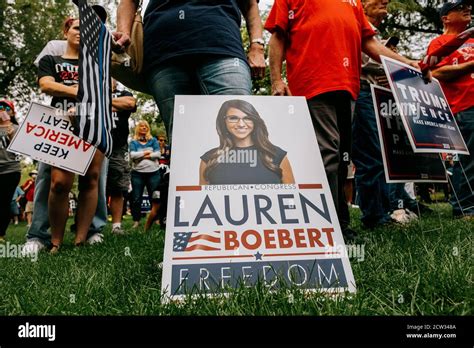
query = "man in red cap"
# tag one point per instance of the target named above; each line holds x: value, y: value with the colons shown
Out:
x: 456, y: 74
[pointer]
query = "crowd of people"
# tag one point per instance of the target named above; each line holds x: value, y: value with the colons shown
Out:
x: 332, y: 52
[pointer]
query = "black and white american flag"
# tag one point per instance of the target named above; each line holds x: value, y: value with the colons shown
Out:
x: 94, y: 121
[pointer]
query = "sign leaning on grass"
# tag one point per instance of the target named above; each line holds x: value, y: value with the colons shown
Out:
x: 426, y: 115
x: 45, y: 135
x: 401, y: 164
x: 249, y: 201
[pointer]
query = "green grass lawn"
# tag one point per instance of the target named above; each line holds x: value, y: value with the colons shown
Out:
x: 422, y: 269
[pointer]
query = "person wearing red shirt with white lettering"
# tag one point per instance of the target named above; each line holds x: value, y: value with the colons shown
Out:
x: 456, y: 75
x: 322, y: 42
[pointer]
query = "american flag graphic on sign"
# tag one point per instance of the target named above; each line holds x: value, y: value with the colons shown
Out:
x: 189, y: 241
x: 94, y: 121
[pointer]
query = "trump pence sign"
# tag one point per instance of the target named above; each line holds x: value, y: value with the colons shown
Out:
x: 424, y: 109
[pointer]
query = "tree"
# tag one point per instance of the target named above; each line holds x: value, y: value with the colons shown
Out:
x: 416, y: 23
x: 415, y: 17
x: 148, y: 111
x: 25, y: 27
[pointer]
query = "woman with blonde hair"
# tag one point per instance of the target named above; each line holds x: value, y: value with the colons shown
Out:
x: 144, y: 153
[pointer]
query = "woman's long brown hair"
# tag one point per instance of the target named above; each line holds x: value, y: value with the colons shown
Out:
x: 265, y: 148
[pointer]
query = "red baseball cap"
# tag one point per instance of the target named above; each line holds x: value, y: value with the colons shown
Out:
x: 8, y: 103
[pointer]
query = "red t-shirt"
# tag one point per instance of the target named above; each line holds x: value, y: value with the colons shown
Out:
x: 30, y: 193
x: 323, y: 52
x: 459, y: 92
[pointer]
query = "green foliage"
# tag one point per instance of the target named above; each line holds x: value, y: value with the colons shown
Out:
x: 408, y: 17
x: 261, y: 86
x: 148, y: 111
x: 421, y: 269
x: 416, y: 23
x: 25, y: 27
x: 26, y: 168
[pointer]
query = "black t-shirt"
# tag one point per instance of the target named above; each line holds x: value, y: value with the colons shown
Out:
x: 177, y: 28
x: 120, y: 122
x: 239, y: 168
x: 65, y: 71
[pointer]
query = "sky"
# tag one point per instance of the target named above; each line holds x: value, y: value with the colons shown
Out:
x: 264, y: 3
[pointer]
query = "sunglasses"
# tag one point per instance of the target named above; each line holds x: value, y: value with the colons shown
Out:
x: 6, y: 108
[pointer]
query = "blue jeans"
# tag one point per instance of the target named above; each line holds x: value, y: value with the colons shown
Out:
x: 40, y: 221
x: 197, y: 76
x: 400, y: 199
x: 463, y: 182
x: 372, y: 190
x: 139, y: 181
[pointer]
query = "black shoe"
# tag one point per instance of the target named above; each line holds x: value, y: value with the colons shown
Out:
x: 373, y: 225
x: 349, y: 234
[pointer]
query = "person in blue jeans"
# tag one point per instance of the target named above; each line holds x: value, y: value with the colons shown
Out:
x: 462, y: 199
x: 403, y: 208
x: 373, y: 194
x: 195, y: 47
x: 144, y: 153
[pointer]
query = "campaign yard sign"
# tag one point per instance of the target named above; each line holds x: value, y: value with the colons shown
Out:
x: 249, y: 201
x: 425, y: 112
x: 45, y: 135
x: 401, y: 164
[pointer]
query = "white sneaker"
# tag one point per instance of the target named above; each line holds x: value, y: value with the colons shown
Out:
x: 32, y: 247
x: 400, y: 216
x: 411, y: 215
x: 95, y: 239
x: 118, y: 231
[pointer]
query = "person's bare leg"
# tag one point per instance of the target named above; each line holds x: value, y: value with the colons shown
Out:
x: 348, y: 188
x: 88, y: 197
x: 153, y: 215
x: 58, y: 207
x: 29, y: 218
x: 116, y: 207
